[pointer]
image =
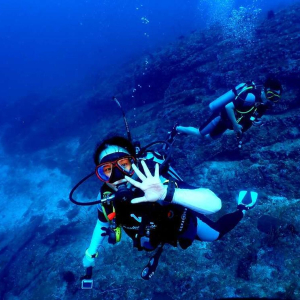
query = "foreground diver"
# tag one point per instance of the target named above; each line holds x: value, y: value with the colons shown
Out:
x: 152, y: 204
x: 237, y: 110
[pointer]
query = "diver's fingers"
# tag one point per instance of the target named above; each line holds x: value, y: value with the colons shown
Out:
x: 146, y: 170
x: 138, y: 200
x: 133, y: 182
x: 156, y: 173
x: 138, y: 172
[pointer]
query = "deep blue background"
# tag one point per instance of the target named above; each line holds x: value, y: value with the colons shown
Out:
x: 49, y: 47
x: 50, y: 44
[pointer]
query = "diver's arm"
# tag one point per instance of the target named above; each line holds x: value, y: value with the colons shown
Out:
x: 201, y: 200
x: 230, y: 112
x: 97, y: 239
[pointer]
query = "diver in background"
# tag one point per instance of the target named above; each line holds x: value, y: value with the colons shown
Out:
x: 237, y: 110
x: 152, y: 206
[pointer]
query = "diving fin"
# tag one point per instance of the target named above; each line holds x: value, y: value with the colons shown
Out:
x: 247, y: 200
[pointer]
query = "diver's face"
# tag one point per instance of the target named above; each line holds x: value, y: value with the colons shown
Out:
x: 123, y: 163
x: 115, y: 163
x: 271, y: 95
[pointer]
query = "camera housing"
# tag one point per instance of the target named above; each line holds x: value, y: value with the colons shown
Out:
x: 87, y: 284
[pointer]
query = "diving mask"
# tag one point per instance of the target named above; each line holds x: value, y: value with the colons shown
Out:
x: 273, y: 95
x: 104, y: 170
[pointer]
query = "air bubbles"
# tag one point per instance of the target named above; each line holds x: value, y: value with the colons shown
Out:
x: 216, y: 11
x: 241, y: 24
x: 238, y: 24
x: 145, y: 20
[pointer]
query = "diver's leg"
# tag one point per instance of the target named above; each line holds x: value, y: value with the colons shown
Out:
x: 209, y: 231
x: 188, y: 130
x: 219, y: 129
x: 227, y: 222
x: 205, y: 232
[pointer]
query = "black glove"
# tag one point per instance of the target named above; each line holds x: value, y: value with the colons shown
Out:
x: 111, y: 234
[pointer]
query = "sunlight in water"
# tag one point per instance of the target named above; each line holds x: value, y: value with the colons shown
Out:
x: 237, y: 23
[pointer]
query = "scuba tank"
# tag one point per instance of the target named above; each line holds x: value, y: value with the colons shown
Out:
x: 217, y: 105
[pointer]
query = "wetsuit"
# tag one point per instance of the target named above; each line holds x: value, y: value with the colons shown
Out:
x: 166, y: 222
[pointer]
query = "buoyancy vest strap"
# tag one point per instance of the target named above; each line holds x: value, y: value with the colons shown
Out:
x: 239, y: 119
x: 244, y: 90
x: 234, y: 90
x: 141, y: 232
x: 238, y: 95
x: 245, y: 112
x: 106, y: 194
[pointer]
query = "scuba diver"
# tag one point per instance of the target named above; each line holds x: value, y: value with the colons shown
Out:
x: 238, y: 109
x: 152, y: 204
x: 147, y: 198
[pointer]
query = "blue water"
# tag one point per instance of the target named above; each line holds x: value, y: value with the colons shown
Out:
x: 48, y: 45
x: 51, y: 47
x: 54, y: 55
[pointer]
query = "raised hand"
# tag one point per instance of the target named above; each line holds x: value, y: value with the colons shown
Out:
x: 151, y: 185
